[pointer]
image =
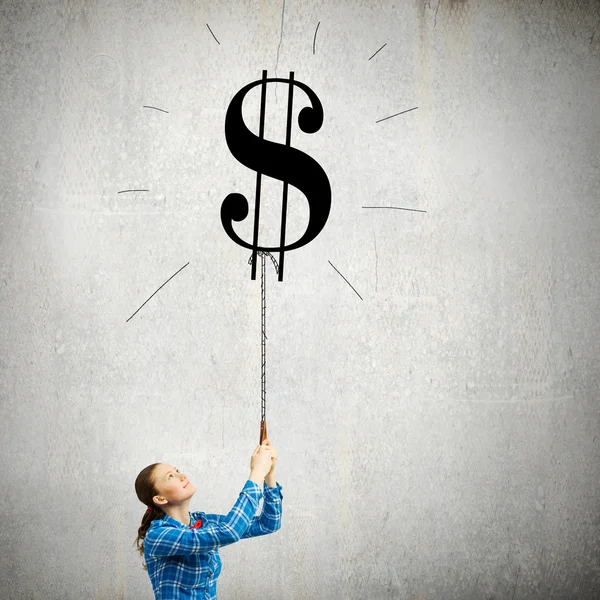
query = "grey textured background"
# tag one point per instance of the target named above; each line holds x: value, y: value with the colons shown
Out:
x: 438, y: 439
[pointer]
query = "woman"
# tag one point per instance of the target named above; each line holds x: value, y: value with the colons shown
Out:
x: 181, y: 549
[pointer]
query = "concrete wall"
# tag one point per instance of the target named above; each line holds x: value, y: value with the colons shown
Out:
x: 437, y: 425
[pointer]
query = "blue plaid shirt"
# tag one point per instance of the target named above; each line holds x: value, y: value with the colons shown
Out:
x: 184, y: 563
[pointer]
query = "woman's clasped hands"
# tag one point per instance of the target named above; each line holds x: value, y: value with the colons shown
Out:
x: 263, y: 459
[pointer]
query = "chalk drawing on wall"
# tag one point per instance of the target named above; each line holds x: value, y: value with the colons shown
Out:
x: 282, y: 162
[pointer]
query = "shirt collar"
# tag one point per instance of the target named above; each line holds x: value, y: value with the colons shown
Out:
x: 167, y: 519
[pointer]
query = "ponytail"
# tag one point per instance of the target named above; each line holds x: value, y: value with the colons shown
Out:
x: 144, y: 488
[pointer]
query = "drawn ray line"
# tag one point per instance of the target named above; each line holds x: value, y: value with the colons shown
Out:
x: 400, y: 113
x: 154, y: 107
x: 396, y: 208
x: 123, y: 191
x: 315, y: 38
x: 346, y: 281
x: 165, y: 283
x: 279, y: 45
x: 218, y: 42
x: 379, y: 49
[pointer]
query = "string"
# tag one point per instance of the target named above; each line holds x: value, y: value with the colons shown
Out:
x: 263, y: 333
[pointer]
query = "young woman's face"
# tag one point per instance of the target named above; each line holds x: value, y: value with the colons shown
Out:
x: 172, y: 485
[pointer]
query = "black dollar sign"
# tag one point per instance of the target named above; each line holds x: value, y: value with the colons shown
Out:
x: 280, y: 162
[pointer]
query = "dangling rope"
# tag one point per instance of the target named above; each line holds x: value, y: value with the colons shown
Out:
x: 263, y: 338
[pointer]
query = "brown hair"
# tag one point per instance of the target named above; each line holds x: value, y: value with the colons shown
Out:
x: 145, y: 490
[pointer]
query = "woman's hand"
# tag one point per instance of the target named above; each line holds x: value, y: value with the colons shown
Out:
x: 274, y: 455
x: 261, y: 462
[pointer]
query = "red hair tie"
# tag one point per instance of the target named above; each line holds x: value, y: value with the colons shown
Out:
x: 197, y: 524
